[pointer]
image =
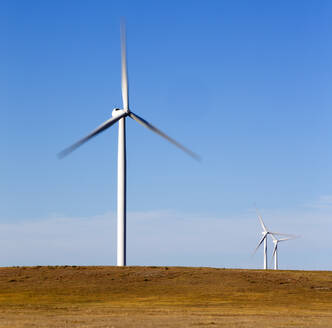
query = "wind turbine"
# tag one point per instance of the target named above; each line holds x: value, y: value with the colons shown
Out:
x: 275, y: 249
x: 265, y: 233
x: 120, y: 115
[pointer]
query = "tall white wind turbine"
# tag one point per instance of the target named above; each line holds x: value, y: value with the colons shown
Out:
x: 120, y: 115
x: 275, y: 249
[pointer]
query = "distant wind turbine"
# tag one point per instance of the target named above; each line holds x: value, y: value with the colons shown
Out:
x: 275, y: 249
x: 265, y: 233
x: 119, y: 115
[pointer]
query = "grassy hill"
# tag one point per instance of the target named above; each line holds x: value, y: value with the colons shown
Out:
x: 75, y: 296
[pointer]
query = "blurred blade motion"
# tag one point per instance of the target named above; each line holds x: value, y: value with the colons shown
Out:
x: 260, y: 243
x: 149, y: 126
x: 261, y: 220
x: 100, y: 129
x: 124, y: 72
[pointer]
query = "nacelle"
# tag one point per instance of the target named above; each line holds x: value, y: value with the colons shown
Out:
x: 115, y: 112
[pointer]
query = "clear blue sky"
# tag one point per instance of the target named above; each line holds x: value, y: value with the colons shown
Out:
x: 246, y: 84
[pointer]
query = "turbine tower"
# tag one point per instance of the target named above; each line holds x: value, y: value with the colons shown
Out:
x: 275, y: 249
x: 120, y: 115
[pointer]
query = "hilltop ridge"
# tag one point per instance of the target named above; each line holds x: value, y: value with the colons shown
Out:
x: 104, y: 296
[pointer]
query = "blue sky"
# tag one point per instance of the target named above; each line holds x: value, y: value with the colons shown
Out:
x: 246, y: 84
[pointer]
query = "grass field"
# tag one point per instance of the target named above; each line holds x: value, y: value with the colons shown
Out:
x: 73, y: 296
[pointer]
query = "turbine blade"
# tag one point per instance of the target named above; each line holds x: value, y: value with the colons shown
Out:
x: 282, y: 234
x: 261, y: 221
x: 149, y: 126
x: 124, y: 74
x: 288, y: 238
x: 260, y: 243
x: 274, y: 252
x: 275, y: 249
x: 100, y: 129
x: 273, y: 236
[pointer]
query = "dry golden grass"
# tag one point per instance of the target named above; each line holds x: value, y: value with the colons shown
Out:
x: 163, y: 297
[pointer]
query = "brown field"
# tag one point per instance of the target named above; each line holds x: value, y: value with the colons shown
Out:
x: 69, y: 296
